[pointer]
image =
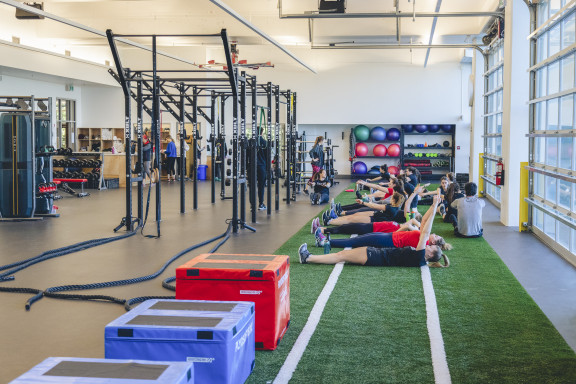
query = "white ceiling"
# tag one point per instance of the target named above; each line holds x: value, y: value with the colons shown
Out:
x: 203, y: 17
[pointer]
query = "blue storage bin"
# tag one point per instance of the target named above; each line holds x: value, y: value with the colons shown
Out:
x: 218, y: 337
x: 72, y: 370
x: 202, y: 172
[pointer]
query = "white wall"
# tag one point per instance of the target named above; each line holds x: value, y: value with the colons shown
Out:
x: 34, y: 86
x: 376, y: 94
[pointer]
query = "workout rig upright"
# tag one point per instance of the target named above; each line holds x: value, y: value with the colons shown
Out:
x: 146, y: 85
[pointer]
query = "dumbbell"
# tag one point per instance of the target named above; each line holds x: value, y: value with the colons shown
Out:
x: 229, y: 161
x: 230, y: 151
x: 228, y: 172
x: 227, y: 182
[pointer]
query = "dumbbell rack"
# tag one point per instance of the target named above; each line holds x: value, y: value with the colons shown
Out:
x: 79, y: 156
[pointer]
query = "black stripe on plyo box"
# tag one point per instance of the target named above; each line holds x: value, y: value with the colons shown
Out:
x: 205, y: 335
x: 193, y: 272
x: 231, y: 265
x: 242, y: 257
x: 193, y: 306
x: 125, y: 332
x: 256, y: 273
x: 102, y: 370
x: 176, y: 321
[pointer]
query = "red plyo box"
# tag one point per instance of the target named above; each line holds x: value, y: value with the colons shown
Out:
x: 262, y: 279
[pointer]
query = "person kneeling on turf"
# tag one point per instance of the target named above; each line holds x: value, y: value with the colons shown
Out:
x: 385, y: 257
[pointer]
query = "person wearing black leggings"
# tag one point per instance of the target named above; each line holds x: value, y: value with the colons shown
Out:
x: 385, y: 257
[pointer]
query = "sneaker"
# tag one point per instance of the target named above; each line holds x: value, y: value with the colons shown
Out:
x: 306, y: 192
x: 261, y: 207
x: 315, y: 225
x: 338, y: 209
x: 332, y: 204
x: 303, y: 253
x: 442, y: 210
x: 320, y: 238
x: 358, y: 195
x: 333, y: 214
x: 325, y: 218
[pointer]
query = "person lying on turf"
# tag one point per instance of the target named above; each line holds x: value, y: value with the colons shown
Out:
x: 399, y: 216
x: 398, y: 239
x: 362, y: 228
x: 386, y: 257
x: 387, y: 212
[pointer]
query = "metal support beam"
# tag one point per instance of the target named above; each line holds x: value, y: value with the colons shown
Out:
x: 432, y: 30
x: 74, y: 24
x: 257, y: 30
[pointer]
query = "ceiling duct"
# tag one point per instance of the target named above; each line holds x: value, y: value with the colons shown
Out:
x: 25, y: 15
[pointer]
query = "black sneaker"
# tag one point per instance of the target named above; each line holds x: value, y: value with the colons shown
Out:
x: 442, y: 210
x: 261, y: 207
x: 303, y: 253
x: 358, y: 195
x: 306, y: 192
x: 338, y: 209
x: 325, y: 218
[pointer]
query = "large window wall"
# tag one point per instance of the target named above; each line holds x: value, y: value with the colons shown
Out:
x: 493, y: 94
x: 552, y: 127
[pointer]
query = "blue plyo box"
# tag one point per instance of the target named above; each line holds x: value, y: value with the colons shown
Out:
x: 217, y: 336
x: 72, y: 370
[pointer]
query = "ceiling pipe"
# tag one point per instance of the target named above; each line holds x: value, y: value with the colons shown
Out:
x: 399, y: 46
x: 397, y: 20
x: 257, y: 30
x: 74, y: 24
x: 432, y: 31
x: 413, y: 15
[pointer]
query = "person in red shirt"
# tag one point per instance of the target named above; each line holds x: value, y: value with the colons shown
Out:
x: 397, y: 239
x: 419, y: 256
x: 364, y: 228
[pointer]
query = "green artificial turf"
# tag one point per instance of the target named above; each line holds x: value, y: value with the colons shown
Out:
x: 373, y: 329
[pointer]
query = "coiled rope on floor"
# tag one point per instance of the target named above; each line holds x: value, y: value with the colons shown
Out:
x: 23, y: 264
x: 55, y: 291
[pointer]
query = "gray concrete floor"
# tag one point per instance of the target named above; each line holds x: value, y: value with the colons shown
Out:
x: 75, y: 328
x: 547, y: 277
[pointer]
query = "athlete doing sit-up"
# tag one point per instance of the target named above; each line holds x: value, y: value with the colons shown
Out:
x: 396, y: 239
x: 386, y: 257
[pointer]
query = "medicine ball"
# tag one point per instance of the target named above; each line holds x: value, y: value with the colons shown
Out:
x: 446, y: 144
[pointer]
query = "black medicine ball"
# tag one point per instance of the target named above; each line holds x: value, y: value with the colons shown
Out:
x: 446, y: 144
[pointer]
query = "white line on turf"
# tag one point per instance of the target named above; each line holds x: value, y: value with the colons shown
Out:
x: 301, y: 343
x: 439, y: 362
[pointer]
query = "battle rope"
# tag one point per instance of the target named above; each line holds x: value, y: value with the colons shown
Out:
x: 23, y: 264
x: 166, y: 283
x: 55, y: 291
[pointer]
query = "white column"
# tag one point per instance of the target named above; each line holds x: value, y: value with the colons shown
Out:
x: 477, y: 121
x: 515, y: 107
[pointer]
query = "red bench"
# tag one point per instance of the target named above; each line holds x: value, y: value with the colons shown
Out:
x: 66, y: 188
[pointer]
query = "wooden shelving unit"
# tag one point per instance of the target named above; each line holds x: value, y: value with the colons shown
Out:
x: 89, y: 139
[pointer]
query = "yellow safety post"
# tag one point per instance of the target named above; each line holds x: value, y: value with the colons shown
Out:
x: 524, y: 182
x: 480, y: 174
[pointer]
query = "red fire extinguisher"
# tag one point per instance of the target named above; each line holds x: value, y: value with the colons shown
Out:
x: 499, y: 173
